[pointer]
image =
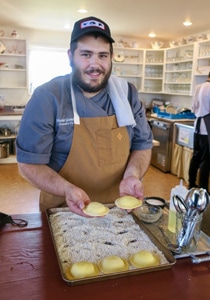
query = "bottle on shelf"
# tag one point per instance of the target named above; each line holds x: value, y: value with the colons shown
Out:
x: 182, y: 191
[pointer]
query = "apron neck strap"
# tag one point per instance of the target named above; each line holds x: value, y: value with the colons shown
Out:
x: 74, y: 105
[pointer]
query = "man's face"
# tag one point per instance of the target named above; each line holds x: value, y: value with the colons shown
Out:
x: 91, y: 64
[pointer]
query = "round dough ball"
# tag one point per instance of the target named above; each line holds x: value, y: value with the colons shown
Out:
x: 96, y: 209
x: 113, y: 264
x: 128, y: 202
x: 144, y: 259
x: 82, y: 269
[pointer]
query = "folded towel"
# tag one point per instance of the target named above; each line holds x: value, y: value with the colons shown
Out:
x: 118, y: 91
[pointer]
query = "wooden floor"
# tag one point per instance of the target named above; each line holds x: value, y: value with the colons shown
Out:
x: 18, y: 196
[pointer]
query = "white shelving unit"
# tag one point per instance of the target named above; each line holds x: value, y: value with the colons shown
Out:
x: 128, y: 63
x: 13, y: 67
x: 178, y: 73
x: 153, y: 70
x: 202, y: 62
x: 170, y: 71
x: 13, y: 83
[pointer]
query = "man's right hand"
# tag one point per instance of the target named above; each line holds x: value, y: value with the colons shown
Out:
x: 76, y: 200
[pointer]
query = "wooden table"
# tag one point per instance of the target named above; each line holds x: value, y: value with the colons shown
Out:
x: 29, y: 270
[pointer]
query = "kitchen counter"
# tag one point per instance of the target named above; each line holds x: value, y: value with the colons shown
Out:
x: 11, y: 112
x: 154, y: 116
x: 30, y: 270
x: 164, y: 131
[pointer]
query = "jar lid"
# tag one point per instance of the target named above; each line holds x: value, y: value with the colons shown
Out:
x: 155, y: 201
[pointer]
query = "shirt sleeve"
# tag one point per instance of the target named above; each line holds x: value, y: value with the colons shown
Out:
x: 35, y: 136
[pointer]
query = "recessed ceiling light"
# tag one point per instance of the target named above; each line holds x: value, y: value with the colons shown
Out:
x: 152, y: 34
x: 187, y: 23
x: 82, y: 11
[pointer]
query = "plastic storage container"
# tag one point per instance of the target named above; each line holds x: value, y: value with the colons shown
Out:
x: 177, y: 190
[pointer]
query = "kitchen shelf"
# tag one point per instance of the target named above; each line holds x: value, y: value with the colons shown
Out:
x: 204, y: 49
x: 202, y: 61
x: 178, y: 70
x: 12, y: 122
x: 12, y: 87
x: 12, y: 136
x: 129, y: 75
x: 13, y: 70
x: 12, y: 54
x: 10, y: 117
x: 9, y: 160
x: 171, y: 71
x: 128, y: 63
x: 153, y: 70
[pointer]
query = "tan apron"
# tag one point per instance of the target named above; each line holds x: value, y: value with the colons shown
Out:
x: 96, y: 162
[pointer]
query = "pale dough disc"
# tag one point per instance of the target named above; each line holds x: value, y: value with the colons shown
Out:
x: 144, y: 259
x: 82, y: 269
x: 113, y: 264
x: 96, y: 209
x: 128, y: 202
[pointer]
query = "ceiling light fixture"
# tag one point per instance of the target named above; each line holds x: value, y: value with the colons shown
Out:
x: 187, y: 23
x: 83, y: 10
x: 152, y: 35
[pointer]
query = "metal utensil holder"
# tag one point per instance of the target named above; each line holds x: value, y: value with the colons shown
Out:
x: 189, y: 232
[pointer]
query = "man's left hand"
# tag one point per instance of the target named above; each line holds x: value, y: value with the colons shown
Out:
x: 131, y: 186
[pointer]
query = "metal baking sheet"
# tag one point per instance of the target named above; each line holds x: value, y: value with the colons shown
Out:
x: 170, y: 258
x: 203, y: 244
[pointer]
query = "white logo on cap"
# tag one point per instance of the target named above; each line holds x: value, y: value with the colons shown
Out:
x: 92, y: 23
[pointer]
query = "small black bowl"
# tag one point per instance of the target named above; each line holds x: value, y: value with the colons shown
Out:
x: 155, y: 201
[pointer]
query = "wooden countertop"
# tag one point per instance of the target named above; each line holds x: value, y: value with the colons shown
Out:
x: 30, y: 270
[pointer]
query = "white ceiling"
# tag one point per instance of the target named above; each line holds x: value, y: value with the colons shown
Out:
x: 134, y: 18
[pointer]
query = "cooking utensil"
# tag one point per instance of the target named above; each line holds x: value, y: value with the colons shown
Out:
x: 190, y: 231
x: 170, y: 109
x: 4, y: 150
x: 203, y: 200
x: 184, y: 110
x: 5, y: 131
x: 196, y: 203
x: 179, y: 204
x: 175, y: 248
x: 197, y: 199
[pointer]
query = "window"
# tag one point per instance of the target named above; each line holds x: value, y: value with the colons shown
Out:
x: 45, y: 64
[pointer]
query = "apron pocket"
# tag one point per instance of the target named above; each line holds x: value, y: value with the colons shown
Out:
x: 112, y: 145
